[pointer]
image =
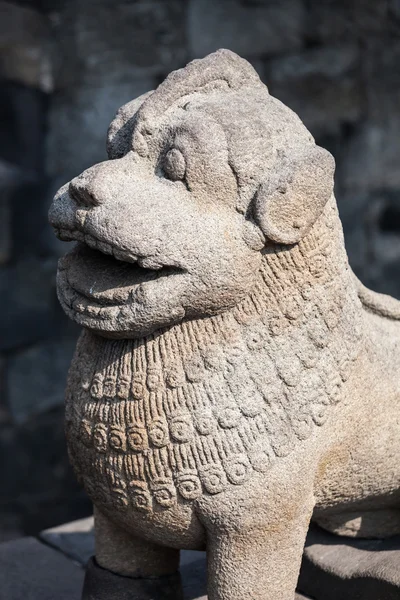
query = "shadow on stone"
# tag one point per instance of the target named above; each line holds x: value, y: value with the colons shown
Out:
x: 342, y: 568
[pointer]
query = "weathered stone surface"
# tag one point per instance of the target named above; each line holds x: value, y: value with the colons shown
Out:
x: 24, y: 46
x: 273, y: 26
x: 233, y: 377
x: 40, y: 369
x: 105, y: 60
x: 335, y: 567
x: 31, y: 570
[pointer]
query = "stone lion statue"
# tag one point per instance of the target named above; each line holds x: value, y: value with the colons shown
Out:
x: 233, y: 379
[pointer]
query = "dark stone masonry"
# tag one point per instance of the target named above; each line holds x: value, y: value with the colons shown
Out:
x: 65, y: 67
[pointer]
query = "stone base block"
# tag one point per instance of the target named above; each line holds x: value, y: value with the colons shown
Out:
x: 104, y: 585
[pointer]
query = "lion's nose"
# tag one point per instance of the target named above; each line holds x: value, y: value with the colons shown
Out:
x: 85, y: 189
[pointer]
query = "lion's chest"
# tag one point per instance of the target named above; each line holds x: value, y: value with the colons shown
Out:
x: 157, y: 423
x: 166, y: 446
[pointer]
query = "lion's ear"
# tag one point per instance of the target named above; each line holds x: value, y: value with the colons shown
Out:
x: 288, y: 204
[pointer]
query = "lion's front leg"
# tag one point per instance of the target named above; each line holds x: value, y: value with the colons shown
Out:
x: 129, y: 567
x: 258, y: 565
x: 254, y: 560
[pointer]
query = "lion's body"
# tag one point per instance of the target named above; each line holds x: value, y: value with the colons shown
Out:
x: 210, y: 404
x: 234, y: 378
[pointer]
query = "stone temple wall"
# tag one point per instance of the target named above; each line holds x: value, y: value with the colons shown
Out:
x: 65, y: 67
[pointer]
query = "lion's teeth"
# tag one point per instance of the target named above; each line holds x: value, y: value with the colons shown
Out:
x: 70, y: 296
x: 105, y: 248
x: 93, y: 311
x: 125, y: 312
x: 149, y: 263
x: 108, y: 312
x: 80, y: 305
x: 91, y: 241
x: 119, y: 255
x: 80, y: 217
x: 64, y: 235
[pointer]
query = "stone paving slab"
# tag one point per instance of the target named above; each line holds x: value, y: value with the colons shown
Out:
x: 340, y: 568
x: 74, y: 539
x: 30, y: 570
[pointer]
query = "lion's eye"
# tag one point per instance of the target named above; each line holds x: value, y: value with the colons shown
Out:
x: 174, y: 165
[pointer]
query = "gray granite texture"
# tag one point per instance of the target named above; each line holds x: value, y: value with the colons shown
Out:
x: 64, y: 68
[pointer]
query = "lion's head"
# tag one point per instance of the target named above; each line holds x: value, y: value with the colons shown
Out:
x: 203, y: 174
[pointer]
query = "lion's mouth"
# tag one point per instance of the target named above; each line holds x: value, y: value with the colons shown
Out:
x: 97, y: 280
x: 121, y: 254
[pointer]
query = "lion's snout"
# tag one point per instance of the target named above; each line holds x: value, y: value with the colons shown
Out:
x: 83, y: 195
